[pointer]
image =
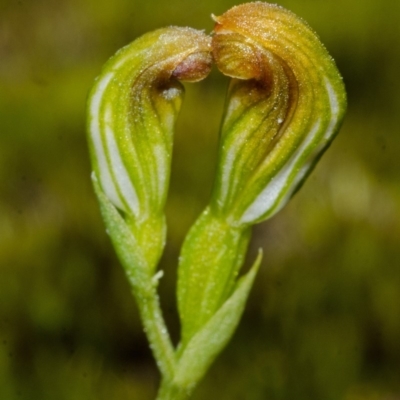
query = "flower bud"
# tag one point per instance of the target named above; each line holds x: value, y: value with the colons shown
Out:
x: 285, y: 104
x: 132, y: 110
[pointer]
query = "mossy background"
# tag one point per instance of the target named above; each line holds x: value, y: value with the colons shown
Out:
x: 323, y: 320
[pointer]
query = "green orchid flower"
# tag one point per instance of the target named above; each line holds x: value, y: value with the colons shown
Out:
x: 285, y: 103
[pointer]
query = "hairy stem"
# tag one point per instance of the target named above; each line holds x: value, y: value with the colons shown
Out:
x: 156, y: 331
x: 169, y: 391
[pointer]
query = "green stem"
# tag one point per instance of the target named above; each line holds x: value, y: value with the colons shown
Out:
x: 139, y: 271
x: 169, y: 391
x: 156, y: 330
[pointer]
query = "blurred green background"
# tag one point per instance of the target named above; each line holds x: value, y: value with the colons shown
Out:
x: 323, y: 320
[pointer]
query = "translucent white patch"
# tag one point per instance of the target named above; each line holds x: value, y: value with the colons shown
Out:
x: 161, y: 165
x: 97, y: 96
x: 171, y: 93
x: 226, y: 172
x: 157, y: 276
x: 118, y: 168
x: 123, y: 60
x: 298, y: 178
x: 234, y: 103
x: 334, y: 103
x: 266, y: 201
x: 105, y: 178
x: 169, y: 121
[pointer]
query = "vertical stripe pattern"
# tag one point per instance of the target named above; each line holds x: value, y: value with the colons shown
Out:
x: 285, y: 104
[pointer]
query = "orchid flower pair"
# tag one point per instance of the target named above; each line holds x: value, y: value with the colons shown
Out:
x: 285, y: 103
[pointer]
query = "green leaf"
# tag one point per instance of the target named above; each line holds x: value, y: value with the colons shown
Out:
x: 124, y: 241
x: 209, y: 341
